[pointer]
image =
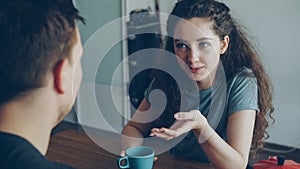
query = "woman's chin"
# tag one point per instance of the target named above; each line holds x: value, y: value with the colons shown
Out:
x: 199, y: 77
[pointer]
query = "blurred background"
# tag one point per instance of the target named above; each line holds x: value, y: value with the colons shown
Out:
x: 273, y: 24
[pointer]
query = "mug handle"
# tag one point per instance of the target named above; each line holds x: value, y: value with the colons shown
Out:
x: 126, y: 162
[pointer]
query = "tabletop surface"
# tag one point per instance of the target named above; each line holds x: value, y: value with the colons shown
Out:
x: 76, y: 149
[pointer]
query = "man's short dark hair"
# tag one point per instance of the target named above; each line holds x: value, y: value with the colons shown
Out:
x: 34, y: 36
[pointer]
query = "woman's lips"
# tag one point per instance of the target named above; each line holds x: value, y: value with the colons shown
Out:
x: 197, y: 70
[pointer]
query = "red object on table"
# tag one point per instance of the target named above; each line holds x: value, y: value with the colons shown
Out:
x: 275, y: 162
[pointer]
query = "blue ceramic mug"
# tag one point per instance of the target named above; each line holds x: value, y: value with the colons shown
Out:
x: 140, y: 157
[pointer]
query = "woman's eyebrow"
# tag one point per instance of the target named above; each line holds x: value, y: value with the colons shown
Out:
x: 204, y: 38
x: 180, y: 40
x: 200, y: 39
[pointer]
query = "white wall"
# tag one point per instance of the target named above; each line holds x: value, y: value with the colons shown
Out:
x: 275, y: 25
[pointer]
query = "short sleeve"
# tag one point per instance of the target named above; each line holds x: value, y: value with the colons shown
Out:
x: 243, y: 94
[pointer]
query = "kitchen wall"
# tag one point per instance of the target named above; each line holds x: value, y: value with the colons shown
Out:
x: 98, y: 74
x: 274, y: 25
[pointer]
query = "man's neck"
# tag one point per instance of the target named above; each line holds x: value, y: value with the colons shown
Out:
x: 31, y: 122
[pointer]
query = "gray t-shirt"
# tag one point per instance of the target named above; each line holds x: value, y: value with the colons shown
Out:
x: 216, y: 104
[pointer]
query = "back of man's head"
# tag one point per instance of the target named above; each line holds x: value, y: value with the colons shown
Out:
x: 34, y: 36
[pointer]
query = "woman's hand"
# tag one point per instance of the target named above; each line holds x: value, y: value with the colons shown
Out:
x: 185, y: 122
x: 122, y: 153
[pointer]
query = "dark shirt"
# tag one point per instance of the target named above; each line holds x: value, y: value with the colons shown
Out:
x: 18, y: 153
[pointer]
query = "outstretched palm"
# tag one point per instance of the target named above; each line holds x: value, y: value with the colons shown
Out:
x: 185, y: 122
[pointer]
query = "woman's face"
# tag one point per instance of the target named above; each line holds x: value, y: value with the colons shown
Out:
x: 196, y: 44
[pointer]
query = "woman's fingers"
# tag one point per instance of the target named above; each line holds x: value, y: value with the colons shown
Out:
x: 185, y: 121
x: 122, y: 153
x: 165, y: 133
x: 154, y: 131
x: 164, y: 136
x: 161, y: 133
x: 171, y: 132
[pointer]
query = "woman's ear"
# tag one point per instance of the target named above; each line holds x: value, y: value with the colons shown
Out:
x: 58, y: 76
x: 224, y: 44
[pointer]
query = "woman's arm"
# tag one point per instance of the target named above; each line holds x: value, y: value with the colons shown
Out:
x: 233, y: 153
x: 223, y: 155
x: 133, y: 132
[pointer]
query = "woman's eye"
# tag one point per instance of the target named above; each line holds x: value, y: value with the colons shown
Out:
x: 203, y: 44
x: 181, y: 46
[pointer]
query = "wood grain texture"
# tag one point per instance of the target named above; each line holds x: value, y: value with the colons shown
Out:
x: 76, y: 149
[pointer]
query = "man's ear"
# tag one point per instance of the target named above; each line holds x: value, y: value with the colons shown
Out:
x: 224, y: 44
x: 58, y: 76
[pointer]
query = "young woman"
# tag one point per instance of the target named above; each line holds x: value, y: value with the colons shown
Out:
x: 208, y: 41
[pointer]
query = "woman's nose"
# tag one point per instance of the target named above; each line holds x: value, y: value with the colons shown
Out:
x: 193, y: 56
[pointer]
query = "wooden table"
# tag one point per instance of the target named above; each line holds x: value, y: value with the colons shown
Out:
x: 76, y: 149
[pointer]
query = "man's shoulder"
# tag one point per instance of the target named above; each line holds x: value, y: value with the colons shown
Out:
x: 17, y: 153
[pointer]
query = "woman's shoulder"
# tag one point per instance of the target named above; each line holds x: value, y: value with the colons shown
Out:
x: 245, y: 72
x: 244, y: 76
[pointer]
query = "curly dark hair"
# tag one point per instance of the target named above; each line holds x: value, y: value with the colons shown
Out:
x: 241, y: 53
